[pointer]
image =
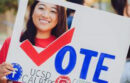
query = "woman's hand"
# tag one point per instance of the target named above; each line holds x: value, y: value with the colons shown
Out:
x: 5, y: 69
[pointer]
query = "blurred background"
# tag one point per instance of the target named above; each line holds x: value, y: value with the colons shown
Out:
x: 8, y: 11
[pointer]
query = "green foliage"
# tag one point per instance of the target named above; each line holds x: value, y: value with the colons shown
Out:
x: 31, y: 1
x: 10, y: 4
x: 7, y: 5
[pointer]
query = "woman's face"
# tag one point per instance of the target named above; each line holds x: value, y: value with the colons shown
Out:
x: 89, y: 2
x: 127, y: 9
x: 45, y: 16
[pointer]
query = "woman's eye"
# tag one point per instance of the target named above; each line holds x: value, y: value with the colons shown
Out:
x: 41, y: 8
x: 53, y: 11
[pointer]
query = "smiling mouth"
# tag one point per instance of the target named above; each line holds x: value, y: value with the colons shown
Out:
x: 44, y: 21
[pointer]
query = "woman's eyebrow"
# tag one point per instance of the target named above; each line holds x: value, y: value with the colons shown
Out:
x: 54, y: 7
x: 42, y: 4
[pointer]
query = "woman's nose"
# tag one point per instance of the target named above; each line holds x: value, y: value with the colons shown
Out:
x: 45, y: 14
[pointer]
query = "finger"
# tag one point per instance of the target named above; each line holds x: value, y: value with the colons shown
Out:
x: 8, y: 66
x: 4, y: 73
x: 7, y: 73
x: 6, y: 70
x: 6, y: 63
x: 3, y: 64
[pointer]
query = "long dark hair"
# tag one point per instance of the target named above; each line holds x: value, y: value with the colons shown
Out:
x: 119, y: 5
x: 69, y: 11
x: 128, y: 55
x: 31, y: 31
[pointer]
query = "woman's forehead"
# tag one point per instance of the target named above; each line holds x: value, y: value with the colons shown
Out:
x: 47, y: 4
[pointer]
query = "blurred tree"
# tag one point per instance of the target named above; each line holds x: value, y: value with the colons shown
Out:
x: 31, y: 1
x: 6, y: 5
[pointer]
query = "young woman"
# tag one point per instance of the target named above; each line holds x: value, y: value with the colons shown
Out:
x: 122, y: 7
x: 46, y: 23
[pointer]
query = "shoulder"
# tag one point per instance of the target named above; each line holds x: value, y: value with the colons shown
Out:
x: 4, y: 50
x: 7, y: 42
x: 126, y: 74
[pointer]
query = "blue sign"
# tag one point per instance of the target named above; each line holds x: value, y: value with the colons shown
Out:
x: 16, y: 74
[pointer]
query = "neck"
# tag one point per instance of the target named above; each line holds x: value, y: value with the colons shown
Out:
x: 43, y: 35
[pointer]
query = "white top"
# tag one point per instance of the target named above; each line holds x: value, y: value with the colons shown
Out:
x: 126, y: 73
